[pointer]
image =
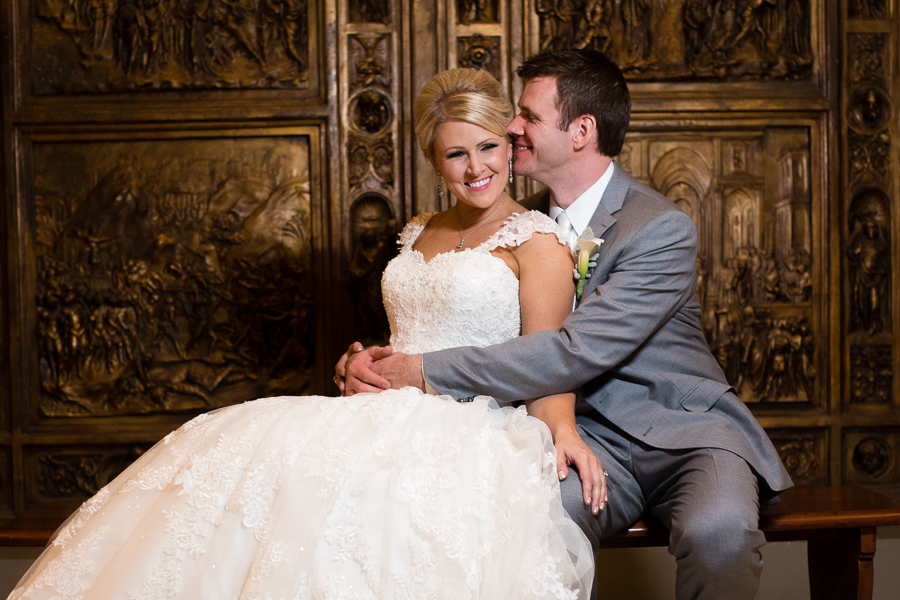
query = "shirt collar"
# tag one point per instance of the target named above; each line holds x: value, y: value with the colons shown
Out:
x: 584, y: 207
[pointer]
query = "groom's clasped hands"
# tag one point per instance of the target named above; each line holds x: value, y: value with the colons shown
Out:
x: 374, y: 369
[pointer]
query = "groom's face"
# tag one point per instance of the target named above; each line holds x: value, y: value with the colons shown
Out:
x: 541, y: 149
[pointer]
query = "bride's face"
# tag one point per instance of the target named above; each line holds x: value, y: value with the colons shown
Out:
x: 473, y: 161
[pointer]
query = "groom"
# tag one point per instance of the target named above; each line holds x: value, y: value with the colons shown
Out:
x: 654, y: 405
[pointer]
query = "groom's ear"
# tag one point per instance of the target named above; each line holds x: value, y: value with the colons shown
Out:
x: 584, y: 131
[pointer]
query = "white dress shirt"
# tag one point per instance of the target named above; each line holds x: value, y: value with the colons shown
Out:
x: 581, y: 211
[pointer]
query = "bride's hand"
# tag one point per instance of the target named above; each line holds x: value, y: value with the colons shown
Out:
x: 572, y: 451
x: 340, y: 369
x: 353, y: 373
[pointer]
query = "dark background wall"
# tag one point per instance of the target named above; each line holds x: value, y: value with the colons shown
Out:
x: 198, y: 199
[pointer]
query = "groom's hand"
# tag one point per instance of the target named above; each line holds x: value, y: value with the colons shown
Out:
x: 353, y: 372
x: 572, y: 451
x: 402, y: 370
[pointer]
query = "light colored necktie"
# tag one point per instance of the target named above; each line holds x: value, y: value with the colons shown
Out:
x: 565, y: 227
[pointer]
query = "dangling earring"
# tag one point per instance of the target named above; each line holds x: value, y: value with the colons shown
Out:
x: 440, y: 186
x: 510, y: 170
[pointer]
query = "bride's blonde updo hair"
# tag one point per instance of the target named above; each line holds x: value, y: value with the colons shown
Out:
x: 467, y: 95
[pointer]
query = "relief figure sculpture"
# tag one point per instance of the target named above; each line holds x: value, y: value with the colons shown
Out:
x: 175, y: 292
x: 868, y: 254
x: 373, y: 230
x: 719, y: 39
x: 110, y: 45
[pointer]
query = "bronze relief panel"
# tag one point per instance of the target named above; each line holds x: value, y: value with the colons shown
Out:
x: 870, y: 456
x: 869, y: 263
x: 871, y: 375
x: 804, y: 454
x: 66, y: 472
x: 749, y: 195
x: 99, y: 46
x: 480, y: 52
x: 687, y: 39
x: 173, y: 274
x: 867, y: 9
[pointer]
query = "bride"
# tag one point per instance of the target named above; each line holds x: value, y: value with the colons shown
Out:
x: 399, y: 495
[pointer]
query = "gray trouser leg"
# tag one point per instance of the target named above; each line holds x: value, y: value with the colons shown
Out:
x: 708, y: 498
x: 710, y: 504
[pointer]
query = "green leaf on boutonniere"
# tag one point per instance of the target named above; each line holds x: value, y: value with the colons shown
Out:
x: 586, y: 253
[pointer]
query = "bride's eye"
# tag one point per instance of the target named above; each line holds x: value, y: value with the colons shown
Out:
x: 454, y: 155
x: 489, y: 147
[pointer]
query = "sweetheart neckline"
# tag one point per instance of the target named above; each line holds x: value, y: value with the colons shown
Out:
x: 453, y: 253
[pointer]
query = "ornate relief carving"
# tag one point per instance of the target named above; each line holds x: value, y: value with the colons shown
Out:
x: 871, y: 374
x: 867, y: 9
x: 476, y: 11
x: 870, y: 110
x: 721, y: 39
x: 480, y: 52
x: 872, y: 457
x: 115, y: 45
x: 736, y: 158
x: 370, y: 111
x: 375, y: 160
x: 803, y: 457
x: 865, y: 57
x: 869, y: 258
x: 370, y: 56
x: 754, y: 259
x: 369, y: 11
x: 869, y: 155
x: 373, y: 233
x: 172, y: 275
x: 765, y: 358
x: 81, y: 475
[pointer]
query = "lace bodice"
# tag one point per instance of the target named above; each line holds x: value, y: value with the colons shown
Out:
x: 468, y: 298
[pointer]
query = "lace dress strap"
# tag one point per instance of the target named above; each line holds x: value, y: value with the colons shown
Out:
x: 518, y: 229
x: 412, y: 230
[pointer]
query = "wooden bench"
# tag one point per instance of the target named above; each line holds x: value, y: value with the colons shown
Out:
x: 842, y: 522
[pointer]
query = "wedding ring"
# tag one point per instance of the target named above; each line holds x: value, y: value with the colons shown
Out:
x: 337, y: 379
x: 606, y: 473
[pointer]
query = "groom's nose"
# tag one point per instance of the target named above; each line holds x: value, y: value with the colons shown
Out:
x: 515, y: 127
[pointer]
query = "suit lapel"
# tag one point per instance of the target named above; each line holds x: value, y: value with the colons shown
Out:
x: 603, y: 219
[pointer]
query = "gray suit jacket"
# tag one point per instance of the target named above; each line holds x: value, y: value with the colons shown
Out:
x: 633, y: 346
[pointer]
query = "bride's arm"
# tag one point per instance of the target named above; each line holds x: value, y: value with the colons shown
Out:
x: 546, y: 290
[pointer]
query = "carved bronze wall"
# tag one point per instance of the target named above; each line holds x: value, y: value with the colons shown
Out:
x: 805, y: 455
x: 112, y: 45
x: 372, y: 87
x: 200, y: 198
x: 869, y: 209
x: 71, y: 472
x: 720, y: 40
x: 749, y: 195
x: 870, y: 456
x: 172, y: 276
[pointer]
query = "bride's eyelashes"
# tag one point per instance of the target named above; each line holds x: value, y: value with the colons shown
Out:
x: 486, y: 148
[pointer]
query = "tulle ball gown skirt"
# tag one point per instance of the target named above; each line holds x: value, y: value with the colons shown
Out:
x: 394, y: 495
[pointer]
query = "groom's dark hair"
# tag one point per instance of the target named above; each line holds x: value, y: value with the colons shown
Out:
x: 587, y: 83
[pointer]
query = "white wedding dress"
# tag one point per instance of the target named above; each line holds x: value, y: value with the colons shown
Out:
x: 398, y: 495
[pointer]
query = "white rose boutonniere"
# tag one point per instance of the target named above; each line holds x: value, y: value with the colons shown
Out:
x: 586, y: 252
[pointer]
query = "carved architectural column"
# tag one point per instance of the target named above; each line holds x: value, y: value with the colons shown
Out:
x: 870, y: 203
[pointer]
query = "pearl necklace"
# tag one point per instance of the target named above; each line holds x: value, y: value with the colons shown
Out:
x: 462, y: 239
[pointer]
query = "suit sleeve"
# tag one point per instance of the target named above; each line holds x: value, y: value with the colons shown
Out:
x: 652, y: 277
